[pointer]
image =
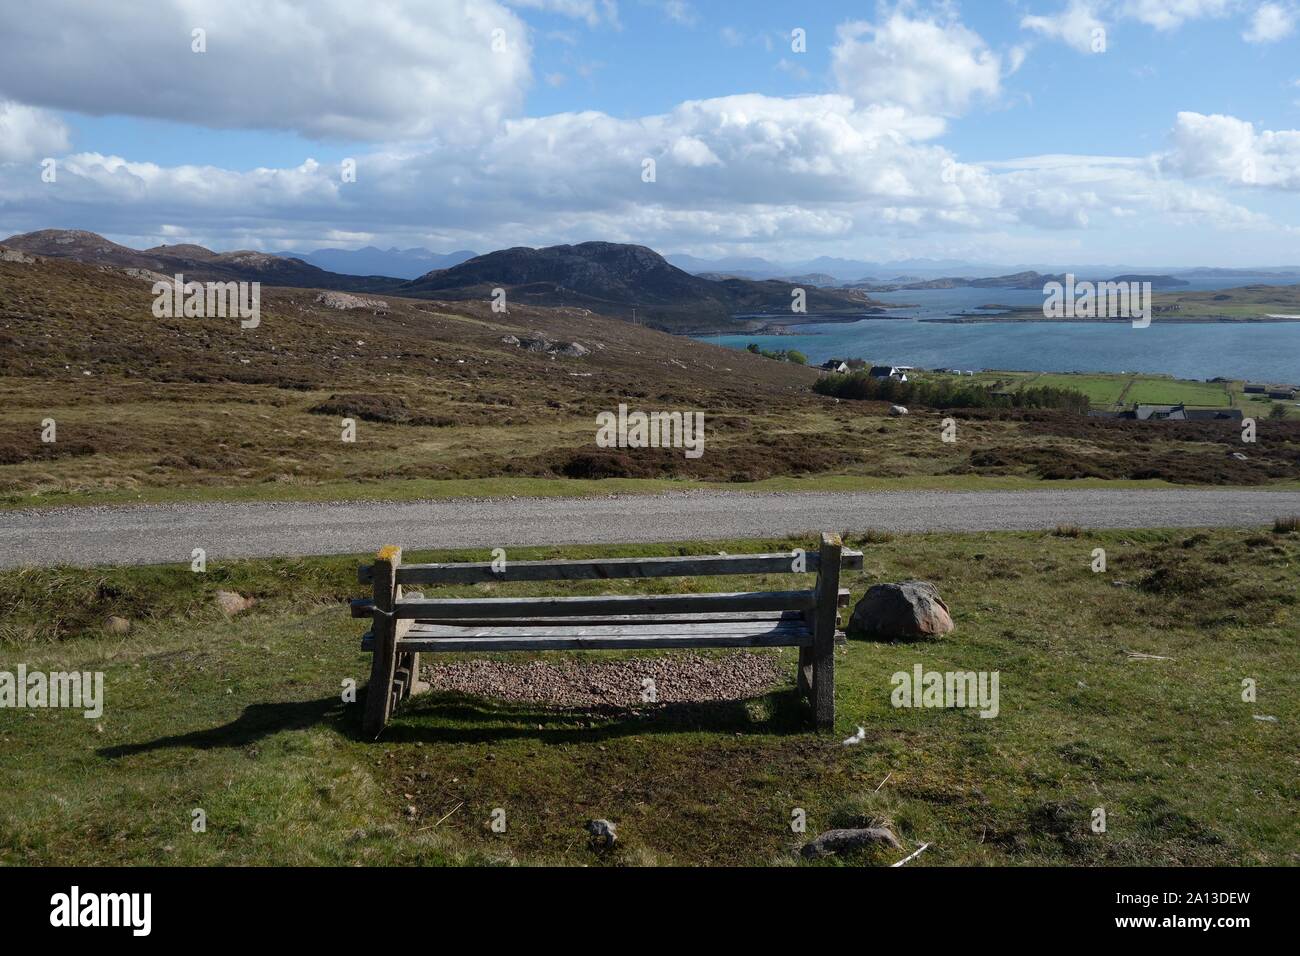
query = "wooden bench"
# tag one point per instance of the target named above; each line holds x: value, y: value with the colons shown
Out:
x: 403, y: 628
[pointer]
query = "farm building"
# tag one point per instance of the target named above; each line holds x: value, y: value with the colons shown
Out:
x: 888, y: 371
x: 1180, y: 413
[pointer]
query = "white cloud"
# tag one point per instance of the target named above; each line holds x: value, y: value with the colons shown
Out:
x: 1076, y: 25
x: 1269, y: 23
x: 324, y: 68
x: 748, y: 170
x: 29, y: 134
x: 921, y: 64
x: 680, y: 11
x: 692, y: 151
x: 1230, y: 150
x: 1169, y: 14
x: 728, y: 168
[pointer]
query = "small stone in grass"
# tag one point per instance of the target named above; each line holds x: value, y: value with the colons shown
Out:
x: 603, y: 833
x: 232, y: 603
x: 843, y: 841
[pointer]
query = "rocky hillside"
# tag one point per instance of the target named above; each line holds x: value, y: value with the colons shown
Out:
x: 607, y: 278
x: 440, y: 390
x: 192, y: 261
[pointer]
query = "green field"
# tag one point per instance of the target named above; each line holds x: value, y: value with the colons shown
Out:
x: 1100, y: 389
x: 243, y: 719
x: 1156, y: 391
x: 1109, y: 390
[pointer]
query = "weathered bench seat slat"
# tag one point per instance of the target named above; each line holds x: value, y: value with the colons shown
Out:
x: 529, y: 639
x: 433, y: 638
x: 697, y: 617
x: 365, y: 608
x: 612, y: 568
x: 424, y: 609
x: 562, y: 627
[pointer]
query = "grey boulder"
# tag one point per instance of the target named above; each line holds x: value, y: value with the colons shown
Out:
x: 900, y: 612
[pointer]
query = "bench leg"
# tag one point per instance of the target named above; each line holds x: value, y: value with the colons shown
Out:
x: 826, y: 611
x: 823, y: 683
x: 383, y: 669
x: 804, y: 676
x: 383, y: 665
x: 409, y: 662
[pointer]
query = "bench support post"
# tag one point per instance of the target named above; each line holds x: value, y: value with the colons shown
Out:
x: 804, y: 675
x: 823, y: 649
x: 383, y: 666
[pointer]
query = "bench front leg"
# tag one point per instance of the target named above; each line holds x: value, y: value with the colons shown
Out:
x: 383, y: 666
x: 823, y: 649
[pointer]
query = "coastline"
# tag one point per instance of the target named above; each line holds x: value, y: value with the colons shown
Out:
x: 1162, y: 320
x: 784, y: 325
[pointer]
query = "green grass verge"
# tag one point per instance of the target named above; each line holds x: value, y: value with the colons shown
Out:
x: 243, y: 718
x: 416, y: 489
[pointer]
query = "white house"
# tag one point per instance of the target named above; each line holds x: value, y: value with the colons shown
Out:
x: 888, y: 371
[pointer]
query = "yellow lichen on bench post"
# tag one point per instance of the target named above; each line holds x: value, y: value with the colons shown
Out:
x: 379, y: 696
x: 825, y: 615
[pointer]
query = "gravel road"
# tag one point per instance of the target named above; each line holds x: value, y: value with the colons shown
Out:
x: 149, y: 534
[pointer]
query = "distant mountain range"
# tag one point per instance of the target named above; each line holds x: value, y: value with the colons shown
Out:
x: 841, y: 270
x: 370, y: 261
x: 1019, y: 280
x: 898, y: 272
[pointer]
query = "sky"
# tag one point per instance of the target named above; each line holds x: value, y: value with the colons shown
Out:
x: 1142, y: 132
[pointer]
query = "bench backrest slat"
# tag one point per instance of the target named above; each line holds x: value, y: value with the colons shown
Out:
x: 481, y: 608
x: 615, y: 568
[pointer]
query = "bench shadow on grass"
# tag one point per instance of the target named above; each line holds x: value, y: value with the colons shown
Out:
x: 457, y: 718
x: 256, y: 722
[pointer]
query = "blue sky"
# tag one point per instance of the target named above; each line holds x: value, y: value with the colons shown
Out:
x: 996, y: 131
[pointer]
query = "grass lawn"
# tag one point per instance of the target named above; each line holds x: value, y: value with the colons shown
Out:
x: 1168, y: 391
x: 243, y: 718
